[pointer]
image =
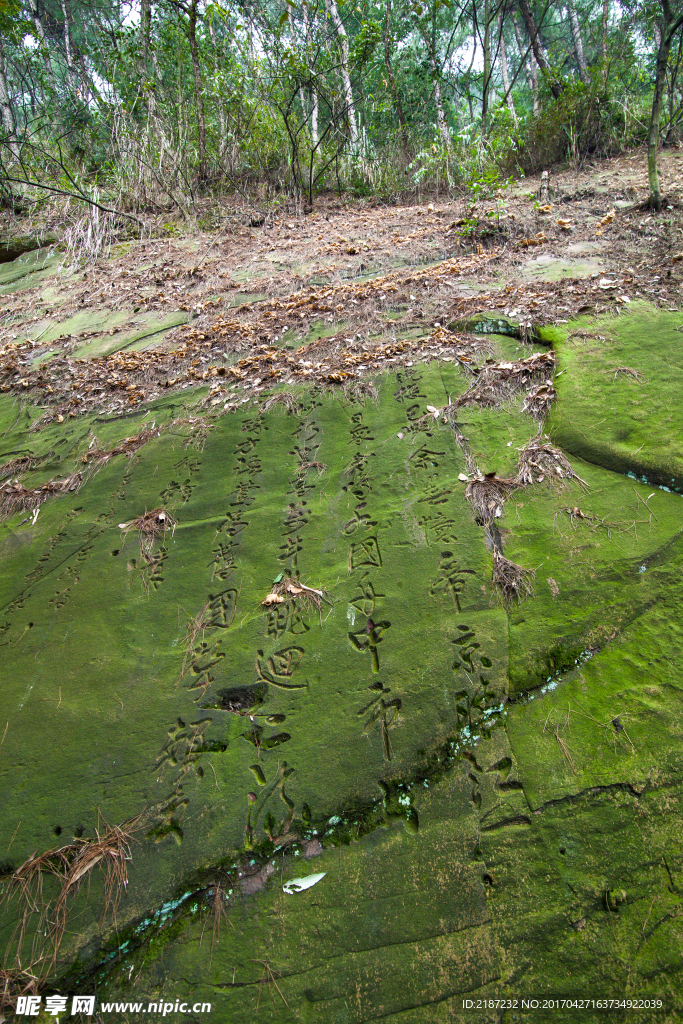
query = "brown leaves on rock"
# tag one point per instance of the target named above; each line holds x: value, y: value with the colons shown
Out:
x: 539, y: 239
x: 537, y: 403
x: 487, y: 494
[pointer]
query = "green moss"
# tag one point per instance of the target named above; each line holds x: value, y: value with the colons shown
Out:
x: 619, y: 385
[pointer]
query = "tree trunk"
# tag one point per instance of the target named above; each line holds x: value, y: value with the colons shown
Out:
x: 198, y: 95
x: 578, y: 42
x: 346, y: 78
x: 40, y: 34
x: 438, y: 103
x: 669, y: 29
x: 217, y: 79
x: 505, y: 75
x: 486, y: 81
x: 528, y: 62
x: 541, y: 60
x: 605, y: 16
x: 71, y: 74
x: 395, y: 94
x: 430, y: 42
x: 6, y: 108
x: 314, y: 92
x: 145, y: 32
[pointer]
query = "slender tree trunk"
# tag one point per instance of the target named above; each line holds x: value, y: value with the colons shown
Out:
x: 430, y: 43
x: 219, y: 97
x: 346, y: 78
x: 487, y: 67
x: 541, y: 60
x: 605, y: 17
x: 535, y: 71
x: 198, y: 94
x: 6, y: 108
x: 145, y: 32
x: 438, y: 103
x: 578, y: 42
x: 529, y: 69
x: 40, y: 35
x: 672, y: 81
x: 669, y: 29
x: 314, y: 92
x: 505, y: 74
x: 395, y: 94
x: 71, y: 74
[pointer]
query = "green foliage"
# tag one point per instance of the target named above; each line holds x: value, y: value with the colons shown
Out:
x: 289, y: 100
x: 587, y: 119
x: 365, y: 43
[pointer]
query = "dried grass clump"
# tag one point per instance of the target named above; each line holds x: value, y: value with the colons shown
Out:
x: 128, y: 446
x: 360, y: 391
x: 15, y: 467
x: 289, y: 588
x: 15, y: 982
x: 626, y: 371
x: 540, y: 459
x: 286, y: 398
x: 199, y: 430
x: 514, y: 580
x: 196, y: 626
x: 487, y: 495
x: 149, y: 527
x: 537, y: 403
x: 216, y: 900
x: 499, y: 382
x: 90, y: 236
x: 68, y: 865
x: 14, y: 497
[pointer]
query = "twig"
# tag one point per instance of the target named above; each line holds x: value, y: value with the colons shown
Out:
x: 12, y: 839
x: 75, y: 195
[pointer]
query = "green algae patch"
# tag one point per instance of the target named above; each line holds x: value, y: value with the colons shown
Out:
x: 148, y: 333
x: 617, y: 721
x: 495, y: 436
x: 17, y: 245
x: 598, y: 554
x: 490, y: 793
x: 553, y: 268
x: 175, y: 690
x: 28, y: 270
x: 489, y: 899
x: 618, y: 385
x: 84, y: 321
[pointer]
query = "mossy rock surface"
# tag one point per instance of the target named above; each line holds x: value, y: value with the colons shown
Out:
x: 492, y: 793
x: 620, y: 401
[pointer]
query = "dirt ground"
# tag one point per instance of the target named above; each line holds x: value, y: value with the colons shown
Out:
x: 334, y: 295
